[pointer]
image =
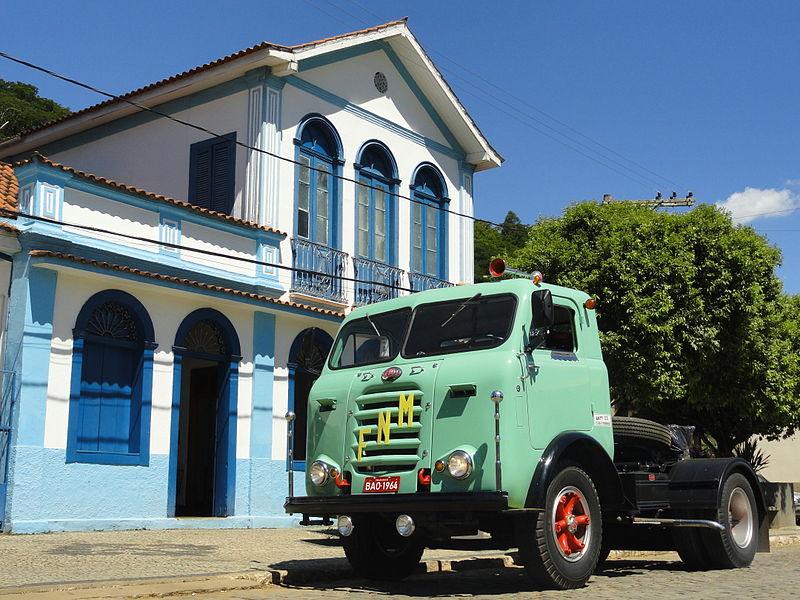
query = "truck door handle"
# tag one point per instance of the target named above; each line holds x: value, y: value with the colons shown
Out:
x: 462, y: 390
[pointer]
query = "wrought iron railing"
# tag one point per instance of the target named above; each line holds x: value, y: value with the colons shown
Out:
x: 384, y: 281
x: 420, y: 283
x: 321, y: 270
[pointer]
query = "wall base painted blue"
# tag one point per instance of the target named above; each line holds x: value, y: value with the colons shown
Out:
x: 49, y: 494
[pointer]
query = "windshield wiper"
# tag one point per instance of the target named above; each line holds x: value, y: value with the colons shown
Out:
x: 375, y: 327
x: 460, y: 308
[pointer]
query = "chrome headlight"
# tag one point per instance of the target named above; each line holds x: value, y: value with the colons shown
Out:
x: 459, y: 465
x: 319, y: 473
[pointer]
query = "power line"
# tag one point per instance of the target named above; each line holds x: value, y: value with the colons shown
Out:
x: 4, y: 212
x: 519, y: 100
x: 243, y: 144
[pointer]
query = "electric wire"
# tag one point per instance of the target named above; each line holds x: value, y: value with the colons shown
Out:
x: 243, y: 144
x: 4, y: 212
x: 527, y: 104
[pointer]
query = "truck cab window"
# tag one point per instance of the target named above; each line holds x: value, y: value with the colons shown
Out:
x: 473, y: 323
x: 373, y: 339
x: 561, y: 336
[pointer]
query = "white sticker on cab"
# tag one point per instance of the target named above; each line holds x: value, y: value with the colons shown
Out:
x: 602, y: 420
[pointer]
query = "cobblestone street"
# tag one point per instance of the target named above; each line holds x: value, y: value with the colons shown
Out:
x: 772, y: 576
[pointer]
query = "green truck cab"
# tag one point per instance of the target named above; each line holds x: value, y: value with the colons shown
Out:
x: 485, y: 408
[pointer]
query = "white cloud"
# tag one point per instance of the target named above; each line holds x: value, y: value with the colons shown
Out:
x: 792, y: 182
x: 754, y: 203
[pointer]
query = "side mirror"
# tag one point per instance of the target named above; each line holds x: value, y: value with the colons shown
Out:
x: 542, y: 306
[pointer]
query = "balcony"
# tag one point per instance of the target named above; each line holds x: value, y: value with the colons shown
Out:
x: 420, y: 283
x: 384, y: 281
x: 321, y: 269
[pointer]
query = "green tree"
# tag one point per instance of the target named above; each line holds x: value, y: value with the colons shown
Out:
x: 492, y: 242
x: 21, y: 108
x: 694, y: 324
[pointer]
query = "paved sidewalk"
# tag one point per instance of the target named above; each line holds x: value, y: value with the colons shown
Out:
x: 70, y: 565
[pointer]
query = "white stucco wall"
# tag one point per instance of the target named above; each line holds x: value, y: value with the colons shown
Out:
x: 154, y: 155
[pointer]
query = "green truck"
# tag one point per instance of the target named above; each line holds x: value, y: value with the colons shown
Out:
x: 479, y: 417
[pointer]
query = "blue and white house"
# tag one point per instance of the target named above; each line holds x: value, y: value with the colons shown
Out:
x: 168, y: 292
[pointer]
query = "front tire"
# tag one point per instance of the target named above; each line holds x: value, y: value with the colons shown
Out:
x: 560, y: 546
x: 376, y: 551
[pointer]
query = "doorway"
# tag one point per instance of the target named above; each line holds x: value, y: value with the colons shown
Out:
x: 197, y: 443
x: 204, y: 411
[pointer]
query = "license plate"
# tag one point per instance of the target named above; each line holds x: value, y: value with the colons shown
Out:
x: 382, y: 484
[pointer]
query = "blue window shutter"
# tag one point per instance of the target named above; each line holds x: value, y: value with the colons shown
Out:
x: 212, y: 166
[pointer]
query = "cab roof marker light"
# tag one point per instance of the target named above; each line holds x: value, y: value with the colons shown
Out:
x: 590, y: 304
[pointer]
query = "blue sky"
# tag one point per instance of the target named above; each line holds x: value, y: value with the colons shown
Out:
x: 581, y: 98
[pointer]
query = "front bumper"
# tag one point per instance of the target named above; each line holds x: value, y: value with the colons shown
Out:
x: 324, y: 506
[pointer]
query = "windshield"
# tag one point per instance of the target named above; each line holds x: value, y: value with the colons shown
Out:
x: 460, y: 325
x: 373, y: 339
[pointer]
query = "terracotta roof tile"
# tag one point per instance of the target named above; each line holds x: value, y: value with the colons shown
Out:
x: 179, y: 280
x: 206, y: 67
x: 9, y: 188
x: 145, y: 193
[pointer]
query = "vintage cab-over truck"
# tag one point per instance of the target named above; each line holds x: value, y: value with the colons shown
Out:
x: 479, y: 416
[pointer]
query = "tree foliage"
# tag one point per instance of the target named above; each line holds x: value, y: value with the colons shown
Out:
x: 694, y: 325
x: 492, y: 242
x: 22, y: 108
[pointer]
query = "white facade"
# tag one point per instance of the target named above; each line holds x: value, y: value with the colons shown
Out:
x: 212, y: 306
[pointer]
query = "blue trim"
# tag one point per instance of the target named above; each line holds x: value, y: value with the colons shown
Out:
x: 373, y: 118
x: 174, y: 432
x: 316, y: 154
x: 326, y: 341
x: 369, y: 47
x: 227, y: 412
x: 263, y: 379
x: 143, y: 389
x: 171, y: 107
x: 177, y: 286
x: 32, y: 307
x: 429, y: 197
x: 387, y: 181
x: 42, y: 236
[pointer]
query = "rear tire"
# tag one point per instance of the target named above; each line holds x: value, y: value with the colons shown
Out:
x: 736, y: 546
x: 376, y: 551
x: 560, y: 546
x: 702, y: 549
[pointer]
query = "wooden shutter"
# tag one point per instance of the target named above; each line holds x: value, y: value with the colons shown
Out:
x: 211, y: 173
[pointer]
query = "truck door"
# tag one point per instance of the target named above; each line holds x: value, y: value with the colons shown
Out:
x: 558, y: 382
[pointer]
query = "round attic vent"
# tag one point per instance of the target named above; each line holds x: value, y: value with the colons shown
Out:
x: 380, y: 82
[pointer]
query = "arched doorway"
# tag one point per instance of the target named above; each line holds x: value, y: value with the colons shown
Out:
x: 306, y: 359
x: 203, y: 441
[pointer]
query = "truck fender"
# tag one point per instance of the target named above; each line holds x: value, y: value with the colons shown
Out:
x: 583, y: 451
x: 696, y: 484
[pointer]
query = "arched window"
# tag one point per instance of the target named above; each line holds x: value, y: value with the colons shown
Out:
x: 375, y: 205
x: 429, y: 223
x: 318, y: 151
x: 112, y: 358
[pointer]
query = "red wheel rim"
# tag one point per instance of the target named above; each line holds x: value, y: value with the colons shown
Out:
x: 571, y: 518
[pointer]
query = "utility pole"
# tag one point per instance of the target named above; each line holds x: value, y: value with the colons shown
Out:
x: 658, y: 202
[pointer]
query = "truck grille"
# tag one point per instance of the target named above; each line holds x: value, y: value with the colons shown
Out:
x: 401, y: 452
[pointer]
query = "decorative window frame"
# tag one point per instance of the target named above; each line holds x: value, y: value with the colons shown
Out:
x: 391, y: 184
x: 441, y: 203
x: 334, y: 162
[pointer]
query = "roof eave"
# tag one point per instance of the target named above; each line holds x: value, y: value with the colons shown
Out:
x: 100, y: 114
